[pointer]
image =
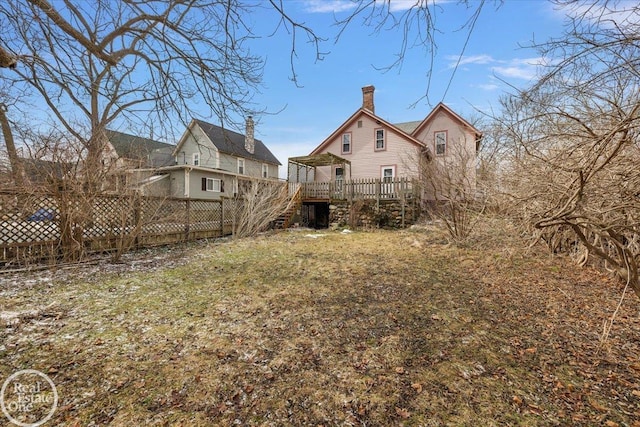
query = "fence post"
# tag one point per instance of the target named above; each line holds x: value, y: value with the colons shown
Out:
x: 186, y: 228
x: 403, y: 192
x: 137, y: 219
x: 221, y: 216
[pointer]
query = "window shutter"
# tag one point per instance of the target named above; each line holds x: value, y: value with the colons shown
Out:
x: 222, y: 186
x: 204, y: 184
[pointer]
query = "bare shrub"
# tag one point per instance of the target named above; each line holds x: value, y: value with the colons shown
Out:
x: 259, y: 205
x: 449, y: 183
x: 574, y: 175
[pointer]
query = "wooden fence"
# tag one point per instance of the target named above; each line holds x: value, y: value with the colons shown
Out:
x: 30, y: 225
x: 390, y: 189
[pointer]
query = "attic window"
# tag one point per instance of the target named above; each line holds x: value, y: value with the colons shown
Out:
x: 196, y: 159
x: 359, y: 123
x: 241, y: 166
x: 380, y: 140
x: 441, y: 143
x: 346, y: 143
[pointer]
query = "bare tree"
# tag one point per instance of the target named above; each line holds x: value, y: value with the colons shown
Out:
x: 144, y: 58
x: 7, y: 60
x: 449, y: 183
x: 17, y: 169
x: 575, y: 174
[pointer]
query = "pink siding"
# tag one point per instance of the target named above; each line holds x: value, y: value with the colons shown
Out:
x: 460, y: 139
x: 366, y: 161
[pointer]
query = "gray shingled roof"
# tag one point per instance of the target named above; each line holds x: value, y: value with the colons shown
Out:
x: 128, y: 146
x: 232, y: 142
x: 408, y: 127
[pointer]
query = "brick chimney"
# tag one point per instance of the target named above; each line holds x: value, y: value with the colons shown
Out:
x: 367, y: 98
x: 249, y: 141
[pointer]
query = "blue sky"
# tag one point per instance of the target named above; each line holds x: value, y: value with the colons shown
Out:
x: 331, y: 88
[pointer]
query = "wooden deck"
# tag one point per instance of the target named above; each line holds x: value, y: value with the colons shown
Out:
x: 377, y: 189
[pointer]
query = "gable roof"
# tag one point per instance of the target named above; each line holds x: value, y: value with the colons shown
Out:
x: 40, y: 171
x: 230, y: 142
x: 132, y: 146
x: 443, y: 107
x: 354, y: 117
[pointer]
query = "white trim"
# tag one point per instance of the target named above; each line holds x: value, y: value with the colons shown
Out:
x: 214, y: 181
x: 186, y: 182
x: 392, y: 168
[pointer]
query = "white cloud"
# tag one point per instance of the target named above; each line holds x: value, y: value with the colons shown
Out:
x: 610, y: 14
x: 521, y: 68
x: 473, y: 59
x: 489, y: 87
x: 525, y: 73
x: 328, y: 6
x: 335, y: 6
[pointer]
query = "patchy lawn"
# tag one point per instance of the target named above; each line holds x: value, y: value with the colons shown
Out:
x: 367, y: 328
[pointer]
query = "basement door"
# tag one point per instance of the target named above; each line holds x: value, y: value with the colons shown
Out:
x: 315, y: 215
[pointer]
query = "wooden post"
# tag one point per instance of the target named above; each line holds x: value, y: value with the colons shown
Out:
x: 188, y: 215
x: 402, y: 199
x: 137, y: 218
x: 222, y: 216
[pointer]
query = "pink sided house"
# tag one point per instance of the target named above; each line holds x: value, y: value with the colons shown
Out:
x: 368, y: 157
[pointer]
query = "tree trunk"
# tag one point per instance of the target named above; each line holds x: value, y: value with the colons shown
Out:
x: 17, y: 169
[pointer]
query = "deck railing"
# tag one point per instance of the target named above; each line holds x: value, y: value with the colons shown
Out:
x: 397, y: 188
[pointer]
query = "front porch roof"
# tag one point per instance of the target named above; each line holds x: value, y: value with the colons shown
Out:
x: 315, y: 160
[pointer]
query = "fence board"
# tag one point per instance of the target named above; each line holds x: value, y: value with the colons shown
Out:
x: 30, y: 224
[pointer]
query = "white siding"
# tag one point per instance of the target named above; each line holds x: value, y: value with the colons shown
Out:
x: 197, y: 142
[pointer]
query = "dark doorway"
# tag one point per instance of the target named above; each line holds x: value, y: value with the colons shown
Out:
x: 315, y: 215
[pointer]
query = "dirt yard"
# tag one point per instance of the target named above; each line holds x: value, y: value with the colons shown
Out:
x: 376, y: 328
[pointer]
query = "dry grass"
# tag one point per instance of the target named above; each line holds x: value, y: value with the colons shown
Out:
x: 377, y: 329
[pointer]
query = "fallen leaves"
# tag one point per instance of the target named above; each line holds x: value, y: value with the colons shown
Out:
x: 403, y: 412
x: 278, y: 330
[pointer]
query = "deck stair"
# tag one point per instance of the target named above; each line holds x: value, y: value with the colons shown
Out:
x: 295, y: 201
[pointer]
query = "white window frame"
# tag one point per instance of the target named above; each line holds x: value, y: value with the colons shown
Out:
x: 378, y: 140
x: 214, y: 185
x: 265, y: 170
x: 440, y: 140
x: 391, y: 168
x: 241, y: 167
x: 346, y: 137
x: 196, y: 159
